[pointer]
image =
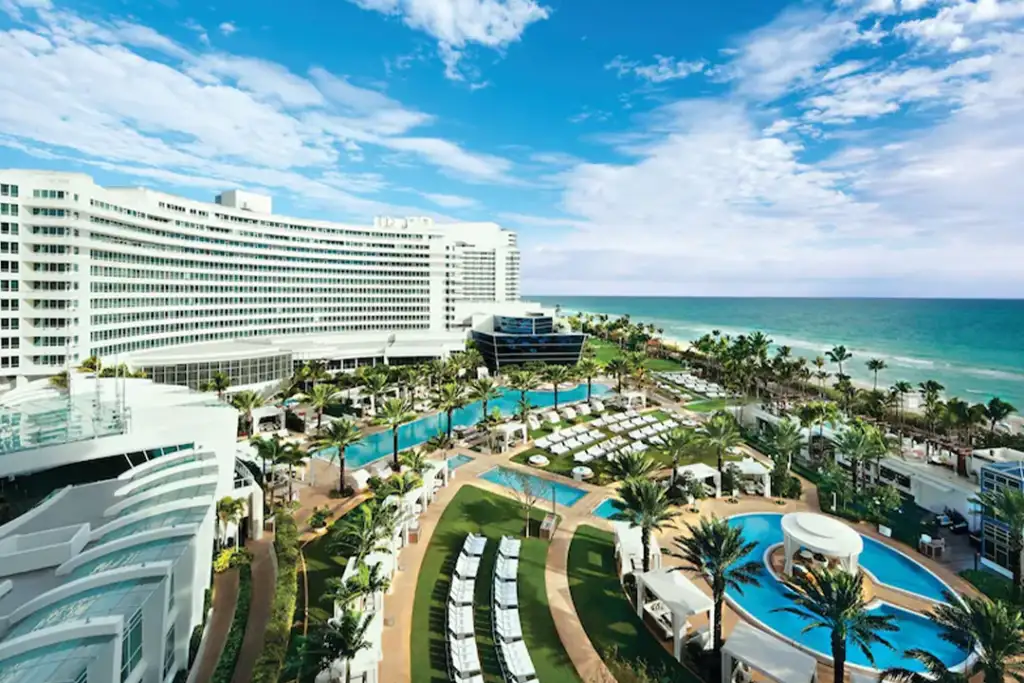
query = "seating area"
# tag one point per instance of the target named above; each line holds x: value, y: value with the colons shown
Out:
x: 513, y: 656
x: 630, y: 430
x: 463, y: 655
x: 676, y: 382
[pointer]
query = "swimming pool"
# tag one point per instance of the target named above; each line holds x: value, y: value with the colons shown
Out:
x: 544, y: 488
x: 379, y: 444
x: 605, y: 510
x: 459, y: 460
x: 915, y: 630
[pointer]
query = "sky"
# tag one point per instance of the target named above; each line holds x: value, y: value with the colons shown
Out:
x: 639, y: 147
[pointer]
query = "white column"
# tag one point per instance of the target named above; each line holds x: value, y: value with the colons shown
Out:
x: 767, y: 485
x: 639, y: 596
x: 711, y: 630
x: 718, y: 485
x: 788, y: 548
x: 677, y: 637
x: 726, y: 667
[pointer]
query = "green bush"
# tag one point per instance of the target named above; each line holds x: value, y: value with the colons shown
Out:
x: 233, y: 645
x: 230, y: 558
x: 275, y: 642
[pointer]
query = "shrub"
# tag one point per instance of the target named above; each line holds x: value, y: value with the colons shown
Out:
x: 229, y: 558
x: 275, y: 642
x: 318, y: 520
x: 233, y: 645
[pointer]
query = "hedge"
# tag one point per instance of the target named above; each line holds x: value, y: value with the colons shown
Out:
x: 275, y: 642
x: 233, y: 645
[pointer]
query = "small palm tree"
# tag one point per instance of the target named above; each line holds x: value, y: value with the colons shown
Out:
x: 786, y: 441
x: 368, y: 580
x: 246, y: 402
x: 523, y: 406
x: 218, y: 382
x: 678, y: 443
x: 60, y: 380
x: 997, y: 410
x: 588, y: 369
x: 1007, y: 505
x: 291, y: 457
x: 91, y: 364
x: 630, y: 466
x: 644, y: 504
x: 523, y: 380
x: 394, y: 413
x: 320, y: 398
x: 876, y: 365
x: 415, y: 460
x: 450, y: 397
x: 375, y: 384
x: 335, y: 439
x: 342, y: 638
x: 833, y: 599
x: 269, y: 451
x: 717, y: 551
x: 839, y: 355
x: 367, y: 529
x: 484, y: 390
x: 398, y: 485
x: 229, y: 511
x: 721, y: 433
x: 559, y: 374
x: 617, y: 368
x: 935, y: 670
x: 439, y: 442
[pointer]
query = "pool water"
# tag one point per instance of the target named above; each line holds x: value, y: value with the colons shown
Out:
x: 379, y: 444
x: 544, y: 488
x: 606, y: 510
x: 459, y: 460
x: 915, y: 630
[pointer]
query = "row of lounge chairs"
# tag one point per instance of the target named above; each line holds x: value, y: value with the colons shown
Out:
x: 694, y: 384
x: 463, y: 655
x: 570, y: 412
x: 513, y: 656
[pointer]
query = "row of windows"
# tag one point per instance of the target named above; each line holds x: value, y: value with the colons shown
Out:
x: 10, y: 362
x: 131, y: 645
x: 9, y: 304
x: 8, y: 228
x: 52, y: 213
x: 9, y: 267
x: 8, y: 285
x: 10, y: 343
x: 354, y: 287
x: 52, y: 194
x: 138, y: 273
x: 54, y: 231
x: 43, y: 360
x: 51, y: 285
x: 8, y: 209
x: 140, y: 316
x: 240, y: 372
x: 8, y: 190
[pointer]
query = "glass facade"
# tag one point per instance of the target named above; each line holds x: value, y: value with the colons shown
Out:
x: 240, y: 372
x: 543, y: 324
x: 131, y: 646
x: 502, y: 349
x: 169, y: 653
x: 995, y: 535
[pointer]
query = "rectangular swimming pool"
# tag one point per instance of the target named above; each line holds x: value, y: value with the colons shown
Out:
x: 459, y: 460
x: 605, y: 510
x: 548, y: 490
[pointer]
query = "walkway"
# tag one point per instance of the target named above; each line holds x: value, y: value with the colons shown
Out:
x: 225, y: 598
x: 264, y: 580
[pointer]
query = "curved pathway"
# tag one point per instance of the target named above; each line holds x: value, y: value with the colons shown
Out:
x: 225, y: 599
x: 264, y: 580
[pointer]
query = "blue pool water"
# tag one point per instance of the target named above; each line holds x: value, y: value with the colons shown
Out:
x: 379, y: 444
x: 605, y: 510
x: 915, y: 630
x: 563, y: 493
x: 459, y: 460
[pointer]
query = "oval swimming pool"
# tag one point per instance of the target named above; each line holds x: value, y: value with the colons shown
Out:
x: 379, y: 444
x: 886, y: 564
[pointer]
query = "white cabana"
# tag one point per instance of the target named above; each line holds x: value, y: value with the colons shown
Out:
x: 748, y: 467
x: 676, y: 594
x: 436, y: 475
x: 774, y: 658
x: 701, y: 473
x: 507, y: 435
x: 629, y: 548
x: 634, y: 399
x: 820, y: 534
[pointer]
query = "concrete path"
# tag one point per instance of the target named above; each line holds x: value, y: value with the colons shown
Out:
x: 225, y: 599
x: 263, y: 588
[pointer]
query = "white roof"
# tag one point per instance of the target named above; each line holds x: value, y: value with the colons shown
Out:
x: 699, y: 470
x: 825, y: 535
x: 511, y: 427
x: 629, y: 540
x: 677, y: 592
x: 769, y: 655
x: 751, y: 467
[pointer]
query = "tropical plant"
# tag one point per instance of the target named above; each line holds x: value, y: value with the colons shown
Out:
x: 718, y: 552
x: 721, y: 433
x: 341, y: 638
x: 450, y: 397
x: 291, y: 456
x: 394, y: 413
x: 617, y: 368
x: 833, y: 599
x: 644, y: 504
x: 60, y: 380
x: 785, y: 439
x: 996, y: 411
x: 439, y: 442
x: 368, y: 580
x: 557, y: 375
x: 334, y: 440
x: 677, y: 444
x: 397, y: 484
x: 853, y: 443
x: 630, y: 465
x: 320, y: 398
x: 523, y: 380
x: 218, y: 382
x: 376, y: 384
x: 1007, y: 506
x: 839, y: 355
x: 876, y: 365
x: 523, y: 406
x: 269, y: 452
x: 229, y: 511
x: 588, y: 369
x: 91, y: 364
x: 245, y: 402
x: 484, y: 390
x: 934, y: 670
x: 367, y: 529
x: 415, y: 460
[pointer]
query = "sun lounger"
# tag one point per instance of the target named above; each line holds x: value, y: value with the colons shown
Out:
x: 616, y: 429
x: 461, y: 591
x: 583, y: 409
x: 599, y: 422
x: 543, y: 442
x: 509, y: 547
x: 474, y: 545
x: 506, y: 593
x: 506, y: 569
x: 465, y: 657
x: 507, y: 624
x: 582, y: 458
x: 460, y: 620
x: 579, y: 429
x: 569, y: 413
x: 559, y: 449
x: 597, y: 405
x: 552, y: 417
x: 533, y: 423
x: 466, y: 567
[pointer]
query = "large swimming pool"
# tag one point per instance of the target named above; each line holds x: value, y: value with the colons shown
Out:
x: 546, y: 489
x: 886, y: 564
x: 379, y: 444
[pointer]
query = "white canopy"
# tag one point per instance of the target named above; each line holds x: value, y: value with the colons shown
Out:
x: 633, y: 399
x: 748, y: 467
x: 507, y: 433
x: 702, y: 472
x: 774, y: 658
x: 679, y: 595
x: 820, y: 534
x: 630, y: 549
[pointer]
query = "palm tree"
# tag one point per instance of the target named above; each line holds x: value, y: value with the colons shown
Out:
x: 523, y: 380
x: 677, y: 444
x: 721, y: 434
x: 839, y: 355
x: 439, y: 442
x: 375, y: 384
x: 901, y: 389
x: 484, y: 390
x: 630, y: 466
x: 341, y: 638
x: 930, y: 392
x: 335, y: 439
x: 853, y: 443
x: 559, y: 374
x: 369, y: 580
x: 314, y: 371
x: 229, y: 511
x: 718, y: 552
x: 820, y: 373
x: 91, y: 364
x: 1007, y: 506
x: 588, y: 369
x: 291, y: 456
x: 218, y: 382
x: 397, y: 485
x: 60, y: 380
x: 786, y: 441
x: 523, y: 406
x: 876, y: 365
x: 808, y: 415
x: 415, y: 460
x: 935, y: 670
x: 394, y: 413
x: 617, y: 368
x: 269, y: 451
x: 246, y: 402
x: 644, y: 504
x: 833, y: 599
x: 996, y: 411
x: 367, y: 529
x: 321, y: 397
x: 450, y: 397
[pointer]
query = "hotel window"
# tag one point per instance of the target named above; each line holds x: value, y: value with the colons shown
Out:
x: 169, y: 653
x: 131, y: 646
x: 8, y: 190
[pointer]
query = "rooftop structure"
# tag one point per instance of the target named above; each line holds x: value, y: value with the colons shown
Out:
x: 513, y: 334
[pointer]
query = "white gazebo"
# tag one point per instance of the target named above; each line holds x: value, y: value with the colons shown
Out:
x: 702, y: 473
x: 435, y: 476
x: 748, y: 467
x: 773, y: 658
x: 507, y: 435
x: 823, y: 535
x: 634, y: 399
x: 678, y: 599
x: 629, y: 548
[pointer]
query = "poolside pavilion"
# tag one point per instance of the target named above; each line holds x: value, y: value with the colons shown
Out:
x: 751, y: 469
x: 677, y: 599
x: 702, y: 473
x: 809, y: 533
x: 772, y: 657
x: 629, y: 548
x: 507, y: 435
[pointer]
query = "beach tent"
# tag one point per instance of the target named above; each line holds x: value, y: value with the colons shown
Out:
x: 774, y: 658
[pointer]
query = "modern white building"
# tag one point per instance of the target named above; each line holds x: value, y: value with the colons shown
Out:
x: 104, y: 581
x: 184, y: 288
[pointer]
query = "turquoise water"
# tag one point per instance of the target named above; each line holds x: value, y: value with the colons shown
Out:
x: 915, y: 630
x: 972, y: 347
x: 563, y: 493
x: 380, y: 445
x: 457, y: 461
x: 606, y: 510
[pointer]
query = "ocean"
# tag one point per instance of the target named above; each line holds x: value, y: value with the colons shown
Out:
x: 975, y: 348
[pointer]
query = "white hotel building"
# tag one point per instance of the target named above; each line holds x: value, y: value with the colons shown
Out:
x: 183, y: 288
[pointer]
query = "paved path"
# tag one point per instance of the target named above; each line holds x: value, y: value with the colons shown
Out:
x: 263, y: 589
x: 225, y: 598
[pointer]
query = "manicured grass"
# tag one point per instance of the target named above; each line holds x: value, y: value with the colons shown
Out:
x: 606, y: 351
x: 709, y: 406
x: 606, y: 615
x: 474, y: 510
x: 991, y: 584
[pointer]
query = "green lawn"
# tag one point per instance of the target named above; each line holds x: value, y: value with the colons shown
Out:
x: 474, y: 510
x: 606, y: 351
x: 991, y: 584
x: 710, y: 405
x: 606, y: 614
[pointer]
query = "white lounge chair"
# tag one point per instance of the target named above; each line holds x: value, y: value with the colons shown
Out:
x: 583, y: 409
x: 509, y: 547
x: 552, y: 417
x: 568, y: 413
x: 543, y: 442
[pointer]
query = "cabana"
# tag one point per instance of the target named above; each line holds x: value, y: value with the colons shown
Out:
x: 634, y: 399
x: 436, y: 475
x: 826, y: 536
x: 773, y: 658
x: 629, y: 548
x: 678, y: 599
x: 507, y: 435
x: 748, y: 467
x: 702, y: 473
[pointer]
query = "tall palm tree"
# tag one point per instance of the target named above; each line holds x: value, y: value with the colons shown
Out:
x: 901, y: 389
x: 484, y: 390
x: 335, y: 439
x: 449, y: 398
x: 630, y: 466
x: 315, y: 371
x: 617, y: 368
x: 644, y: 504
x: 523, y: 380
x: 320, y: 398
x: 229, y: 511
x: 394, y: 413
x: 718, y: 552
x: 342, y: 638
x: 876, y: 365
x: 218, y: 382
x: 678, y: 443
x: 559, y: 374
x: 721, y: 434
x: 367, y: 581
x: 820, y: 374
x: 839, y: 355
x: 997, y: 410
x: 833, y: 599
x: 1007, y: 506
x: 246, y: 402
x: 269, y: 452
x: 786, y: 441
x: 291, y: 457
x: 853, y: 443
x: 930, y: 392
x: 935, y: 670
x: 523, y: 406
x: 376, y: 384
x: 808, y: 413
x: 588, y: 369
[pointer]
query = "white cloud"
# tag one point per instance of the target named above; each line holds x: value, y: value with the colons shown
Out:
x: 663, y: 69
x: 957, y: 25
x: 450, y: 201
x: 457, y: 24
x: 199, y: 30
x: 227, y: 28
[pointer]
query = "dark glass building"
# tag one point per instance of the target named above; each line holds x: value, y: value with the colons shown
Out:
x: 514, y: 340
x: 995, y: 534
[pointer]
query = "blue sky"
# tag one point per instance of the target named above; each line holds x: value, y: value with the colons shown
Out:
x: 852, y: 147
